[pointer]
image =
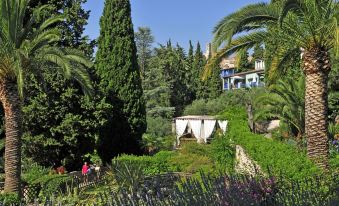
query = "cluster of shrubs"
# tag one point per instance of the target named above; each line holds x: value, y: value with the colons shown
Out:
x: 150, y: 165
x: 190, y: 158
x: 220, y: 104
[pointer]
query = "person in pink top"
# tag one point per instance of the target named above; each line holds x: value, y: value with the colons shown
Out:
x: 85, y: 168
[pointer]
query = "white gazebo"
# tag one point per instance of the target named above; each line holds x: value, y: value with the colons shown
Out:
x: 201, y: 127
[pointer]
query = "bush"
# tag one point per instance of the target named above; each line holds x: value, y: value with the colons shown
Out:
x: 33, y: 172
x: 152, y: 144
x: 215, y: 106
x: 192, y: 163
x: 193, y: 157
x: 334, y: 164
x: 53, y: 184
x: 223, y: 153
x: 9, y: 199
x: 268, y: 153
x: 159, y: 127
x: 150, y: 165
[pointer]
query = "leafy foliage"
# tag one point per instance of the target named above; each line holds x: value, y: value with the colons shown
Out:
x: 28, y: 42
x: 54, y: 128
x: 271, y: 155
x: 61, y: 124
x: 285, y: 100
x: 9, y: 199
x: 33, y: 171
x: 243, y: 63
x: 258, y: 52
x: 52, y: 184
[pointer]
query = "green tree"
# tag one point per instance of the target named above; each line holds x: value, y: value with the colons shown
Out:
x: 72, y: 27
x: 24, y: 49
x: 191, y: 73
x: 167, y: 84
x: 144, y: 41
x: 213, y: 83
x: 311, y: 26
x: 54, y: 129
x: 258, y: 52
x: 190, y: 57
x: 244, y: 64
x: 61, y: 125
x: 198, y: 65
x: 117, y: 67
x: 179, y: 76
x: 157, y: 87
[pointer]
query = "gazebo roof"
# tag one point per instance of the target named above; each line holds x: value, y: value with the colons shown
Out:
x: 194, y: 117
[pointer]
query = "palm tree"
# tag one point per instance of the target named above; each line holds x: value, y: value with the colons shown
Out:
x: 286, y: 101
x: 293, y: 25
x: 25, y: 48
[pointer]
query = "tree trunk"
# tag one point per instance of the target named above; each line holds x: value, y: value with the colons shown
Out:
x: 316, y: 68
x: 13, y: 126
x: 250, y: 117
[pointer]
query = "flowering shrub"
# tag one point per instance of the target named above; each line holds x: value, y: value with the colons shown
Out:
x: 335, y: 146
x: 228, y: 190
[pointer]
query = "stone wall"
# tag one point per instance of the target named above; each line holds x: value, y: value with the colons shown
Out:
x: 244, y: 164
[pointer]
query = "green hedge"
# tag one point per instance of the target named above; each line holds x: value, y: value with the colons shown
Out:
x: 151, y: 165
x: 272, y: 155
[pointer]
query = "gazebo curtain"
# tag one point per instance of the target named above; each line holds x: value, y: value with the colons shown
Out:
x: 180, y: 126
x: 196, y: 128
x: 223, y: 125
x: 209, y: 126
x: 202, y: 131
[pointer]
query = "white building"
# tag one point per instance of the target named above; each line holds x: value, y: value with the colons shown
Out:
x: 249, y: 79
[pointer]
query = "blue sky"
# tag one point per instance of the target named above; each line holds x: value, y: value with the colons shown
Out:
x: 180, y: 20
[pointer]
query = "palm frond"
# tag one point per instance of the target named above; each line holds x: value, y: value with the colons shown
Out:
x: 249, y: 18
x: 56, y: 56
x: 78, y: 57
x: 285, y: 100
x: 241, y: 43
x: 283, y: 56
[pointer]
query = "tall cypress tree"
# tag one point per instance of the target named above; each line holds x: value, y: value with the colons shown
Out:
x: 244, y: 64
x: 198, y: 66
x: 117, y: 66
x: 190, y: 53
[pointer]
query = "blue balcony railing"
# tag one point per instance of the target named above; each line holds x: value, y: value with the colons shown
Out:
x: 225, y: 73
